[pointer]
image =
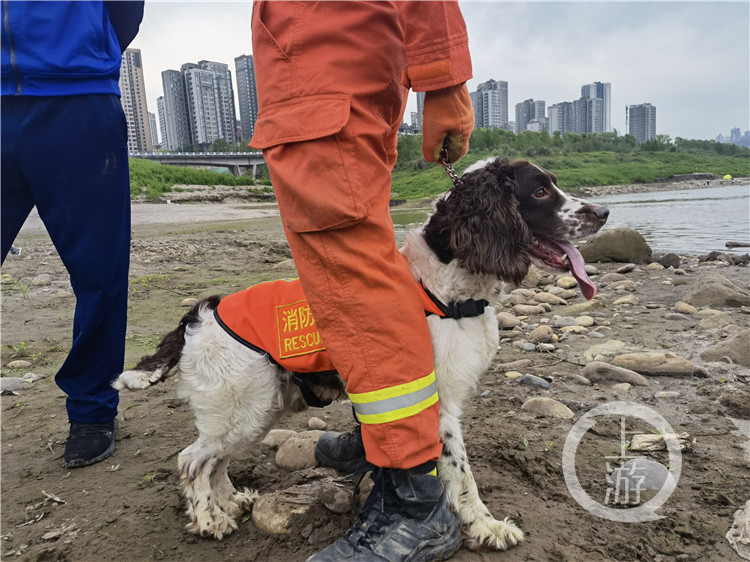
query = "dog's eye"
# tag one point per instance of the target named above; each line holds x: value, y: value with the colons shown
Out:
x: 541, y: 192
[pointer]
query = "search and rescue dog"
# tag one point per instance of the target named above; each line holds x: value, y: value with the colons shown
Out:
x: 481, y: 238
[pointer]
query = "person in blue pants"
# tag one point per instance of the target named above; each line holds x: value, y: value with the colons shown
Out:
x: 64, y: 150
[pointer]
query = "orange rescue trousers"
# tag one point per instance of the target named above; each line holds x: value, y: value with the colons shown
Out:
x: 332, y: 87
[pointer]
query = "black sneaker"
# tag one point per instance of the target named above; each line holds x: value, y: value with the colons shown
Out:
x: 89, y: 443
x: 405, y: 518
x: 342, y: 451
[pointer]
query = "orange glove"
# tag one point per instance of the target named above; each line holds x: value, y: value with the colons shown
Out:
x: 447, y: 117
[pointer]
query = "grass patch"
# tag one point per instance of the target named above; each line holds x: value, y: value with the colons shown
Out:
x: 153, y: 179
x: 574, y: 170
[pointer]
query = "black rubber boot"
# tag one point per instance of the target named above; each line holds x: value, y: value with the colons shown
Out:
x: 342, y: 451
x: 405, y: 518
x: 89, y: 443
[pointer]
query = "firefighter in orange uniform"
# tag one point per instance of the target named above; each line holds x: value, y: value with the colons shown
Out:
x: 332, y: 81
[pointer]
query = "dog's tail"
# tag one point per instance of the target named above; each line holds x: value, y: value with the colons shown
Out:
x: 158, y: 367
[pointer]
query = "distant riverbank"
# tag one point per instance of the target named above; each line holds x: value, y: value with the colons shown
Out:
x: 660, y: 186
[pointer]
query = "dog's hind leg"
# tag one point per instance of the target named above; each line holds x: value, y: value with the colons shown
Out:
x: 155, y: 368
x: 478, y: 525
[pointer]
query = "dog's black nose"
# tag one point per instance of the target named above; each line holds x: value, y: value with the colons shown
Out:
x: 597, y: 210
x: 601, y: 212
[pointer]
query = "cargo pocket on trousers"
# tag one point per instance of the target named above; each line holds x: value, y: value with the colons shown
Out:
x: 312, y: 159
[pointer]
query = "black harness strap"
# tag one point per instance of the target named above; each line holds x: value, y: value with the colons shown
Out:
x: 459, y: 309
x: 311, y: 399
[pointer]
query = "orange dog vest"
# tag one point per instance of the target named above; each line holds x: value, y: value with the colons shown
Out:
x: 275, y: 318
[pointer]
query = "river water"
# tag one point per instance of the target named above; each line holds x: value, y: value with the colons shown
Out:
x: 692, y: 221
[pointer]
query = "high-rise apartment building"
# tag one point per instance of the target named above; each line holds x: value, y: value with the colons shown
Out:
x: 642, y: 121
x: 490, y: 103
x: 162, y: 121
x: 247, y: 94
x: 599, y: 114
x: 589, y: 115
x: 198, y: 105
x: 154, y: 129
x: 176, y: 124
x: 210, y: 100
x: 133, y: 99
x: 420, y: 110
x: 529, y: 111
x: 560, y: 117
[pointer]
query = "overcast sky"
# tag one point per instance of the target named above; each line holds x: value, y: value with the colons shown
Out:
x: 689, y: 59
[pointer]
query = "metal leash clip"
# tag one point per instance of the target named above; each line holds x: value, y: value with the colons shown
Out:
x: 447, y: 167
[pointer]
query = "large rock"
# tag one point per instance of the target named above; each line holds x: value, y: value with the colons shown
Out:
x: 598, y: 371
x: 273, y: 512
x: 580, y: 308
x: 737, y: 348
x: 542, y: 334
x: 713, y: 289
x: 298, y: 451
x: 739, y: 535
x: 11, y: 384
x: 655, y: 363
x: 644, y: 474
x: 547, y: 407
x: 715, y: 321
x: 277, y: 437
x: 617, y: 244
x: 609, y: 348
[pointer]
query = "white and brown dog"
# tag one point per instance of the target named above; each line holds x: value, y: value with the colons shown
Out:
x: 482, y: 236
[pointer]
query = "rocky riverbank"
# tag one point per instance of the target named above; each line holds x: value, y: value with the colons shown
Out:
x: 677, y: 185
x: 671, y: 338
x: 225, y: 193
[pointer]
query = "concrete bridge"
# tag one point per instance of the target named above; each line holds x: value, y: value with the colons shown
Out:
x: 235, y: 161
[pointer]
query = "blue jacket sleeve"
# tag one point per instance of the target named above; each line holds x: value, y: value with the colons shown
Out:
x: 125, y: 18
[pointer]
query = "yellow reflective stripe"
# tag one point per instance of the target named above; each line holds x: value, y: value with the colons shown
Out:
x: 399, y: 414
x: 433, y: 472
x: 393, y: 391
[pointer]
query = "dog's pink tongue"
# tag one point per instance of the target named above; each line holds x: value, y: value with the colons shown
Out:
x: 577, y: 266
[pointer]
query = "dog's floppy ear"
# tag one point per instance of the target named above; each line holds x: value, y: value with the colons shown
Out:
x: 479, y: 225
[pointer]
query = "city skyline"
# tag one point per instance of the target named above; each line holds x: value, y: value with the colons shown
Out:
x: 690, y: 59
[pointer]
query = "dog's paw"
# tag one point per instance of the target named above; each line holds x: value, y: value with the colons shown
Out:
x: 132, y: 380
x: 238, y: 503
x: 245, y: 499
x: 488, y: 531
x: 211, y: 521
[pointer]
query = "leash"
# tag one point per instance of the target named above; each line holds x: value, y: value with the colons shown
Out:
x: 447, y: 166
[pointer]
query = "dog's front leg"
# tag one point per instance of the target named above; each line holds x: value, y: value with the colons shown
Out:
x: 478, y: 524
x: 230, y: 500
x: 196, y: 464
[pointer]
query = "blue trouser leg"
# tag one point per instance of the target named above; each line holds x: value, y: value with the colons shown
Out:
x: 70, y: 154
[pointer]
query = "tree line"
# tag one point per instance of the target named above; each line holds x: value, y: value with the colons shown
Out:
x: 535, y: 144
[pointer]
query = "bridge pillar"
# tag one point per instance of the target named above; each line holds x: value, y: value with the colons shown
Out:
x: 235, y: 168
x: 255, y: 171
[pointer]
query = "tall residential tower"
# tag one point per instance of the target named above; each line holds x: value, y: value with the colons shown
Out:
x: 490, y: 103
x: 133, y: 99
x: 598, y: 114
x: 198, y: 105
x: 642, y: 121
x: 247, y: 94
